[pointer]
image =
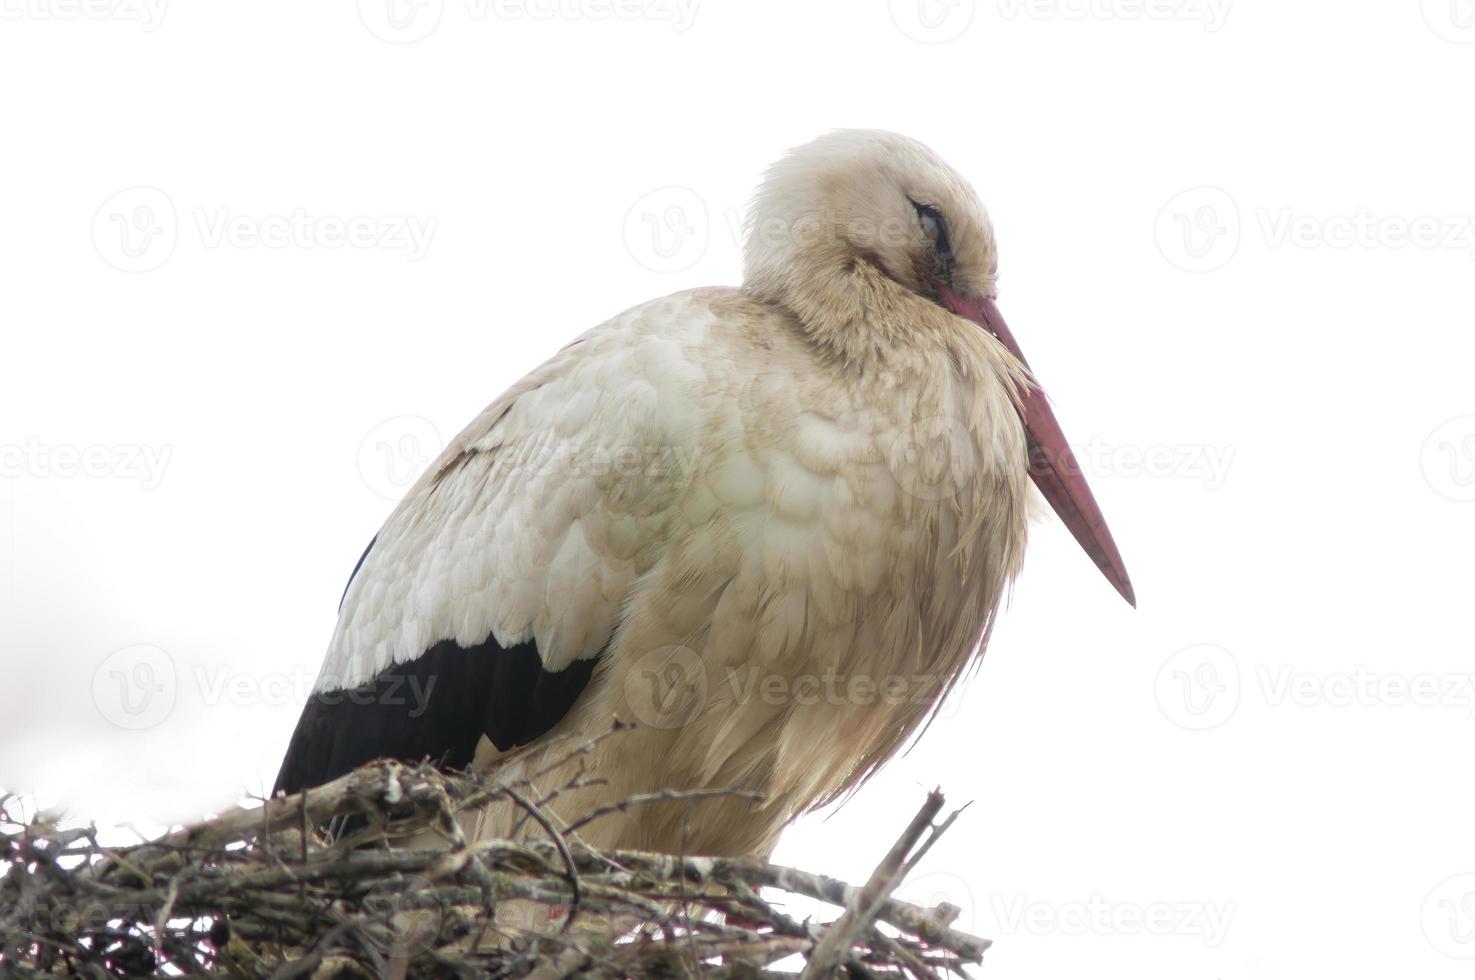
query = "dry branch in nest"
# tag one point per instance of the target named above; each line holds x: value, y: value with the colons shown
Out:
x: 259, y: 892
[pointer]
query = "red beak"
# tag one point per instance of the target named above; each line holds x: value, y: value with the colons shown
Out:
x: 1052, y: 465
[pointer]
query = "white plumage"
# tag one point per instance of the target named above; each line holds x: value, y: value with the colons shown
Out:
x: 820, y: 474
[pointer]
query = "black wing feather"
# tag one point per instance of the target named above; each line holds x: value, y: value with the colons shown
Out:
x: 435, y: 707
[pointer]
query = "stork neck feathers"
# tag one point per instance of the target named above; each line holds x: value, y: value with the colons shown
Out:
x: 846, y: 303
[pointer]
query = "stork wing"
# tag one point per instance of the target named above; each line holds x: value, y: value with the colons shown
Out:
x: 483, y: 604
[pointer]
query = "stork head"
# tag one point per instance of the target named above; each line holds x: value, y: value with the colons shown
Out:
x: 866, y: 236
x: 839, y: 220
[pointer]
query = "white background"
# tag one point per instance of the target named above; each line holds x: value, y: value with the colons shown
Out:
x: 1237, y: 247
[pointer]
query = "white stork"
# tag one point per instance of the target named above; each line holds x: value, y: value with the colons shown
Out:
x: 825, y: 476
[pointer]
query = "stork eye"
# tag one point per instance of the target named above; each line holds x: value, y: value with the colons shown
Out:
x: 935, y: 228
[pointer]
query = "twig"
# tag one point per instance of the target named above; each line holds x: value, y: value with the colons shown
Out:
x: 835, y: 946
x: 563, y: 852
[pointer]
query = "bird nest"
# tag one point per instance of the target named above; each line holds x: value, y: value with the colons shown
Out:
x: 260, y: 891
